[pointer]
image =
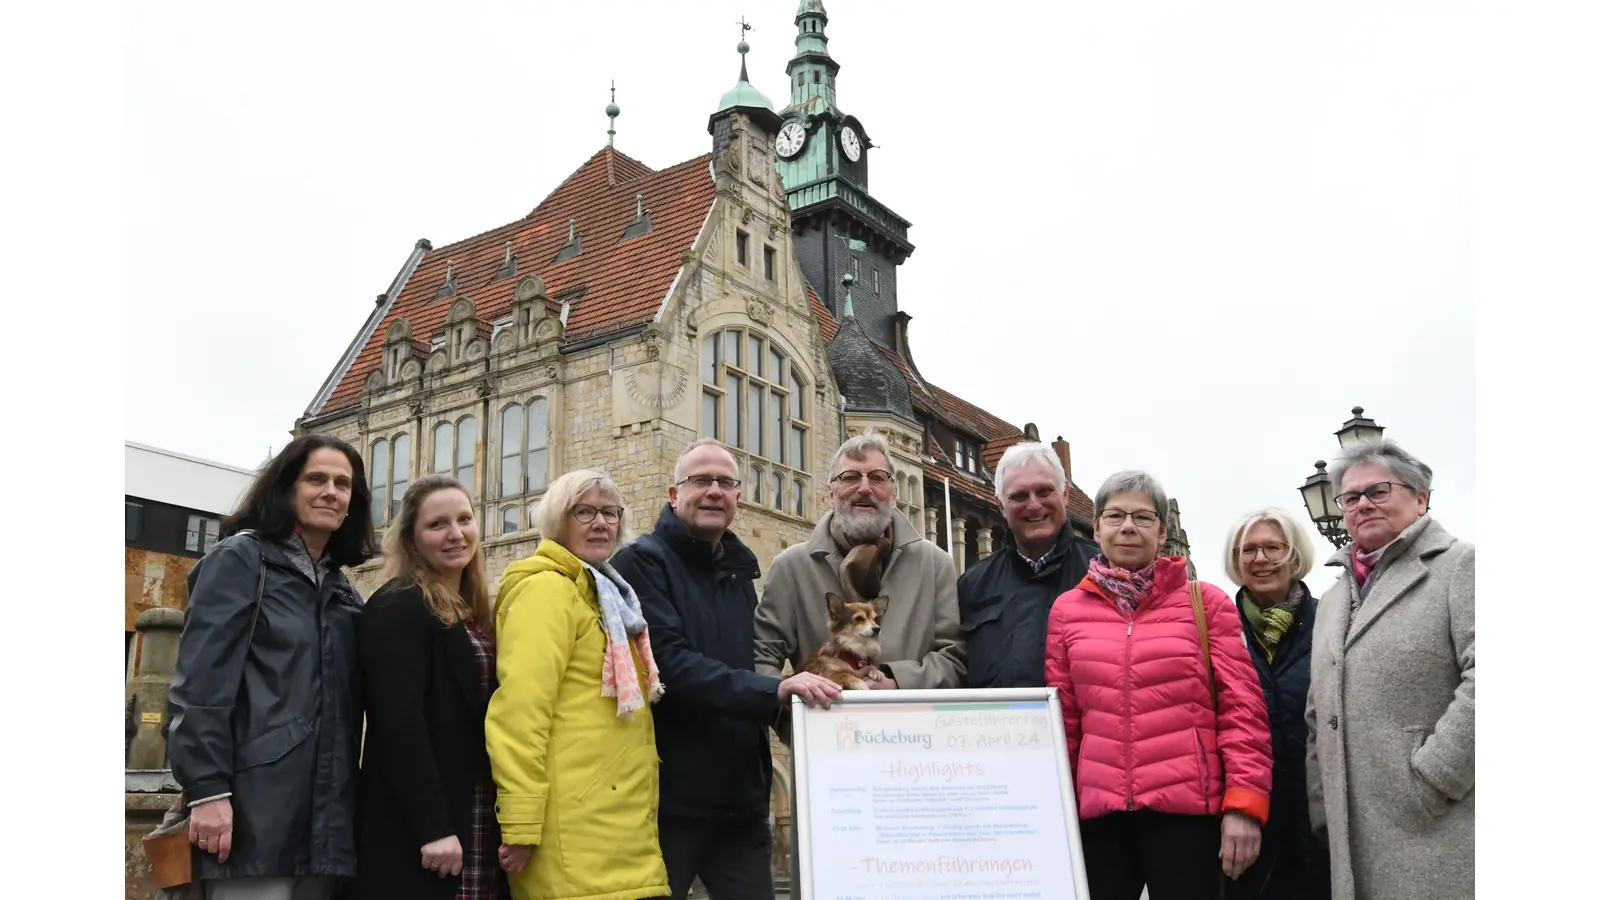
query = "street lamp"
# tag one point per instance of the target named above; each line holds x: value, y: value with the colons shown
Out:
x: 1358, y: 430
x: 1319, y: 490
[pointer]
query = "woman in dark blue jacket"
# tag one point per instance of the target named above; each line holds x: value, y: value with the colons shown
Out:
x: 1268, y: 554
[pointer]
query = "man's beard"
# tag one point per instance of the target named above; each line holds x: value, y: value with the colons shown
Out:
x: 861, y: 524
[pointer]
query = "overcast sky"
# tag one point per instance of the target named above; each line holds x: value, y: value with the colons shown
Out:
x: 1187, y: 237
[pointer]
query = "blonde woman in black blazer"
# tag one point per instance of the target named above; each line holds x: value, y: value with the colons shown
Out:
x: 427, y: 826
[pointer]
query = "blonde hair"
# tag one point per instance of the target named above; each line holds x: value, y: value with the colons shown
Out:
x: 1301, y: 552
x: 467, y: 601
x: 551, y: 515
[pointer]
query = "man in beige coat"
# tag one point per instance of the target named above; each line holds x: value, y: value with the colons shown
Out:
x: 921, y: 637
x: 1390, y: 715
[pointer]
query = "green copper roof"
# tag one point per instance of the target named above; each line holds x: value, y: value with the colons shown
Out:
x: 744, y: 93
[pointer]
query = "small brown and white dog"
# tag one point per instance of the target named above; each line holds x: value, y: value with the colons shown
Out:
x: 854, y: 623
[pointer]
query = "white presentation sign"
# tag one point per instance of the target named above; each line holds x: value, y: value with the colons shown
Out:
x: 936, y: 795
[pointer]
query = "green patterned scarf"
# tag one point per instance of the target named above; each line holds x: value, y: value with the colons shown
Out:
x: 1272, y: 623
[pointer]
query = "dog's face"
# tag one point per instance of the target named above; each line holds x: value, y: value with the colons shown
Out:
x: 854, y: 625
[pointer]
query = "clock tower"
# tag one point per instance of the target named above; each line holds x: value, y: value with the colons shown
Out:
x: 822, y: 154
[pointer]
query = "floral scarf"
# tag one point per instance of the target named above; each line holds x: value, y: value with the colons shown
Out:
x: 1127, y: 589
x: 1272, y: 623
x: 626, y: 630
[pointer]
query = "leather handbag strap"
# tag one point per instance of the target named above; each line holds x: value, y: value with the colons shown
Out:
x: 1205, y: 639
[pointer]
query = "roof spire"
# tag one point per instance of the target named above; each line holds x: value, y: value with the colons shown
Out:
x: 638, y: 212
x: 572, y: 230
x: 508, y: 253
x: 847, y: 310
x: 744, y: 47
x: 612, y: 111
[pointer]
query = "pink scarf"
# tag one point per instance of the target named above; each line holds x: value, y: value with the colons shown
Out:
x: 1127, y: 589
x: 1362, y: 563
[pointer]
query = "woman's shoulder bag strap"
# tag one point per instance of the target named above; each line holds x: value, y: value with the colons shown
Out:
x: 1205, y: 639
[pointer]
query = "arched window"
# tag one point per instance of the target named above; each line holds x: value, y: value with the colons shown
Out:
x: 455, y: 447
x: 378, y: 465
x: 525, y: 448
x: 400, y: 478
x: 444, y: 443
x: 758, y: 480
x: 511, y: 431
x: 800, y: 498
x: 753, y: 398
x: 538, y: 444
x: 467, y: 453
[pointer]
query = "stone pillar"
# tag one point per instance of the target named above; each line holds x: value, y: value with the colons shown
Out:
x: 958, y: 544
x: 930, y: 523
x: 985, y: 543
x: 159, y: 630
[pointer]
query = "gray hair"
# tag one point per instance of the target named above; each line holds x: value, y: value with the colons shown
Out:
x: 1028, y: 453
x: 1132, y: 481
x: 1383, y: 452
x: 1301, y: 551
x: 677, y: 469
x: 857, y: 449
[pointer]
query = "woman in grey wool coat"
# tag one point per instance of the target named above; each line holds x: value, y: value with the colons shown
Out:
x: 1389, y: 756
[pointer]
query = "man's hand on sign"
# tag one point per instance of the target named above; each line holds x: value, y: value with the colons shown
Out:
x: 813, y: 689
x: 1241, y: 842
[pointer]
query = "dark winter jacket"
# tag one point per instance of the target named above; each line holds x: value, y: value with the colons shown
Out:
x: 273, y: 717
x: 1293, y: 864
x: 1005, y: 609
x: 711, y: 724
x: 425, y: 753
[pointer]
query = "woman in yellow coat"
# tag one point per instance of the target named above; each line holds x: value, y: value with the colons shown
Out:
x: 571, y: 740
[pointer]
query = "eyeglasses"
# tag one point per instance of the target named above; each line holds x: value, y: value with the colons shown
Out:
x: 1377, y: 493
x: 1115, y: 518
x: 585, y: 513
x: 1272, y: 551
x: 877, y: 478
x: 704, y: 482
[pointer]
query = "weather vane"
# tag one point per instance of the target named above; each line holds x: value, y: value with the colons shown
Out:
x: 744, y: 27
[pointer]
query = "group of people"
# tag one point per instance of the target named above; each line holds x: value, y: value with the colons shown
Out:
x: 600, y: 730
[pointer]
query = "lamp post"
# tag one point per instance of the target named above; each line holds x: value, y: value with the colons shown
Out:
x: 1319, y: 490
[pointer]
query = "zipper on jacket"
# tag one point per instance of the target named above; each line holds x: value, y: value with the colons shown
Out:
x: 1127, y: 710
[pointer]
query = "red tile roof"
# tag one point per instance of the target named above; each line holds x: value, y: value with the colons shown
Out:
x: 826, y: 326
x: 619, y: 283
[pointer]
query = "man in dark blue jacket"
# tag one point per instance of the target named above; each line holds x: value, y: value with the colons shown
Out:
x: 1005, y: 599
x: 696, y: 583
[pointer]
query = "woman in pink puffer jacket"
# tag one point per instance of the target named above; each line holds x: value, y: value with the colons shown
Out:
x: 1170, y: 793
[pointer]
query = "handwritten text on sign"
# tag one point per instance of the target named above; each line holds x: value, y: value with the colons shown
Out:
x: 936, y: 802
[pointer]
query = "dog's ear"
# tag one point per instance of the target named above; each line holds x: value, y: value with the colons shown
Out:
x: 835, y: 605
x: 879, y: 607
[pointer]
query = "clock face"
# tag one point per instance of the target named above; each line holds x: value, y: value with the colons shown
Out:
x: 851, y: 142
x: 790, y: 139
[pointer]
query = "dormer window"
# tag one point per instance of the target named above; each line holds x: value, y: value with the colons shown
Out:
x: 968, y: 455
x: 573, y: 246
x: 641, y: 220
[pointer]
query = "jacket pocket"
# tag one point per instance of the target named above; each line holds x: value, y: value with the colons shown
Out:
x: 600, y: 775
x: 272, y: 745
x: 988, y: 641
x: 1428, y: 802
